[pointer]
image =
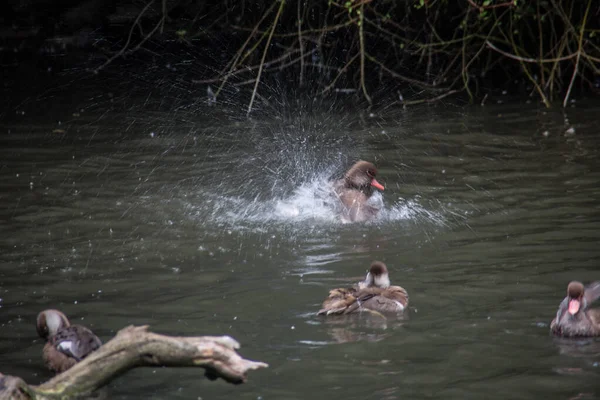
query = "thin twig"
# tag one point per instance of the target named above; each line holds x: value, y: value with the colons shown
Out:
x: 362, y: 52
x: 579, y: 48
x: 164, y: 18
x: 282, y: 3
x: 528, y: 59
x: 541, y: 41
x: 491, y: 6
x: 233, y: 64
x: 526, y: 70
x: 340, y: 72
x: 252, y: 67
x: 124, y: 48
x: 300, y: 80
x: 433, y: 99
x: 396, y: 75
x: 464, y: 69
x: 326, y: 29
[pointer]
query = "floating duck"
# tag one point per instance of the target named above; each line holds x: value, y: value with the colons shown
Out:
x: 374, y: 294
x: 66, y: 344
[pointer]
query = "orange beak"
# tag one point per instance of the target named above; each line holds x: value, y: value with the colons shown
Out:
x: 376, y: 184
x: 574, y: 305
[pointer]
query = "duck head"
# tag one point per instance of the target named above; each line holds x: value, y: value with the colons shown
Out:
x: 377, y: 276
x: 361, y: 176
x: 49, y: 322
x: 576, y: 301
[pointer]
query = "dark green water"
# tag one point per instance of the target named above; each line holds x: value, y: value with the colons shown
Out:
x: 214, y: 228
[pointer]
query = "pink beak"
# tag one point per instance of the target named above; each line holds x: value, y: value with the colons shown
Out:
x: 376, y: 184
x: 574, y: 305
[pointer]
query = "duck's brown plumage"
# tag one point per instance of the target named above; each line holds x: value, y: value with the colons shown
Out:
x: 66, y: 344
x: 574, y: 317
x: 355, y: 189
x: 389, y: 300
x: 374, y: 293
x: 338, y: 301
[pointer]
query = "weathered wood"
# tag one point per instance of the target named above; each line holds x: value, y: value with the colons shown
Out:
x: 14, y: 388
x: 136, y: 347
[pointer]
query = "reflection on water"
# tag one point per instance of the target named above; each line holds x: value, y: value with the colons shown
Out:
x: 225, y: 228
x: 368, y: 326
x: 588, y: 348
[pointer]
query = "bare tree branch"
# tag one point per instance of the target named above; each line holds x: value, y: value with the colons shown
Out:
x: 135, y: 347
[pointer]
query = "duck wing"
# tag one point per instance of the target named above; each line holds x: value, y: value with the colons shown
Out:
x: 338, y: 301
x: 76, y: 341
x: 564, y: 305
x: 397, y: 293
x: 388, y: 300
x: 594, y: 318
x: 592, y: 292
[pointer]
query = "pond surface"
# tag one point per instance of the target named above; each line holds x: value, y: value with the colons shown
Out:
x: 215, y: 226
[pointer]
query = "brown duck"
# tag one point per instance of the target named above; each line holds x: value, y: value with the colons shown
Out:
x: 66, y: 344
x: 355, y: 189
x: 373, y: 294
x: 574, y: 318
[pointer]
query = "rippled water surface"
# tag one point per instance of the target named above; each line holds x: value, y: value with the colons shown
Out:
x: 212, y: 226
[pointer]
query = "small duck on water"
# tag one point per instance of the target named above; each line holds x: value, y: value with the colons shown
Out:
x: 66, y: 344
x: 355, y: 190
x: 574, y: 318
x: 375, y: 294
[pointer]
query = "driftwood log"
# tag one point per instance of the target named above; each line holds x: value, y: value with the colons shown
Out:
x: 135, y: 347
